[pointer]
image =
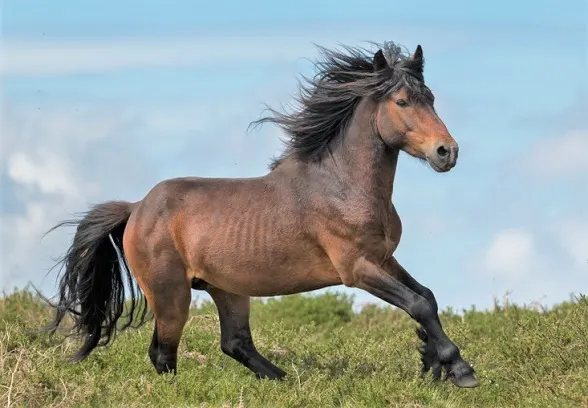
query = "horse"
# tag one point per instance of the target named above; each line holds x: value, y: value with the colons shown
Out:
x: 322, y: 215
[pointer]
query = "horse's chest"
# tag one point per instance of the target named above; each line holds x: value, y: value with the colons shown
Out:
x: 380, y: 235
x: 395, y: 226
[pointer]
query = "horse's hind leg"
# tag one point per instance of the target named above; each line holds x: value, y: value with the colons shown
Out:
x: 169, y: 297
x: 236, y: 341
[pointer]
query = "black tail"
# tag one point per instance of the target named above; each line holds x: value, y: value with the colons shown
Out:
x: 92, y: 287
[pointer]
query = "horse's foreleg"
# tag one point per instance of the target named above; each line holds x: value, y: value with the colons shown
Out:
x: 236, y: 341
x: 384, y: 285
x: 428, y: 352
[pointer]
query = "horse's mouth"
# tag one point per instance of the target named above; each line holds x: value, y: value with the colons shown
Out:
x: 438, y: 168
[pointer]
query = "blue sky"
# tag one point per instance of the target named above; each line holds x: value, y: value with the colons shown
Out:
x: 102, y: 100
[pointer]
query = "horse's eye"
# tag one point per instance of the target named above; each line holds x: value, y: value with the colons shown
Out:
x: 402, y: 103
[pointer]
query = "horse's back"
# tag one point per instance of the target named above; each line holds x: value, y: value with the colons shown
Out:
x: 179, y: 205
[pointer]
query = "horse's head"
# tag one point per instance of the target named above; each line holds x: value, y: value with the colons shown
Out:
x: 406, y: 118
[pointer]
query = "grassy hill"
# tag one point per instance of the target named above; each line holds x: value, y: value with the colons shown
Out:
x: 334, y: 358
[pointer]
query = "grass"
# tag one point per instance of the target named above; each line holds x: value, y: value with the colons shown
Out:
x: 334, y: 358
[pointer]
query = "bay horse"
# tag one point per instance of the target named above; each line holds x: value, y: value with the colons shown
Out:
x: 322, y: 216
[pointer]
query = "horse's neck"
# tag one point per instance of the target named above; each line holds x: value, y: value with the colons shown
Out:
x: 361, y: 154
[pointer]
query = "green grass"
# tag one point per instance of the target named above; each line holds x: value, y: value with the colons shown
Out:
x: 334, y: 358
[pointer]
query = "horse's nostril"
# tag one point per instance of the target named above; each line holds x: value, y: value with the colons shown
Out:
x: 442, y: 151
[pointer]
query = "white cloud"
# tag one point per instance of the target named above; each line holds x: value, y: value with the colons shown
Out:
x: 21, y: 239
x: 545, y: 263
x: 46, y: 172
x: 563, y: 155
x: 511, y: 254
x: 573, y: 236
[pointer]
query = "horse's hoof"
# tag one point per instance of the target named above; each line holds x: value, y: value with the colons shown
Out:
x: 465, y: 381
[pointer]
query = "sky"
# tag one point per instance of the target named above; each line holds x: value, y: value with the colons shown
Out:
x: 102, y: 100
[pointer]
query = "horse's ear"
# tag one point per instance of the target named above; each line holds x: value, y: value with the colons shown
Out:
x: 418, y: 54
x: 380, y: 62
x: 418, y: 57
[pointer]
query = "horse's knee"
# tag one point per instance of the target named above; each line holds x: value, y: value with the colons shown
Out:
x: 430, y: 297
x: 421, y: 310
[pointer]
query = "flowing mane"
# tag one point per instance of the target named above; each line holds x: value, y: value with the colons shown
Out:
x: 327, y: 101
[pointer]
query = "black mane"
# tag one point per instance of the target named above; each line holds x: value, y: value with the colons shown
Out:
x: 327, y: 101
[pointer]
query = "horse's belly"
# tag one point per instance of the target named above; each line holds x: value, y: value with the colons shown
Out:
x: 270, y: 271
